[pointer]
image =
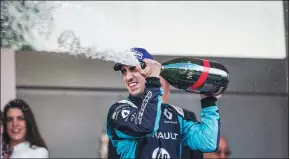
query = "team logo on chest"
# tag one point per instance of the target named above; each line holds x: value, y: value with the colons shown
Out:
x: 168, y: 115
x: 166, y: 136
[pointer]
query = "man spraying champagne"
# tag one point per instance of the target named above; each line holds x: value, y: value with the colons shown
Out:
x: 142, y: 126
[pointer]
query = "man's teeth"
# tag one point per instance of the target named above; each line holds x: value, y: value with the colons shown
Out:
x: 132, y: 84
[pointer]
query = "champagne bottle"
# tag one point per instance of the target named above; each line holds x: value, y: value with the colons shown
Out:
x: 195, y: 75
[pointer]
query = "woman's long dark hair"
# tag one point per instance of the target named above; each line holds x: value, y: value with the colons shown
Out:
x: 32, y: 134
x: 1, y: 122
x: 1, y: 117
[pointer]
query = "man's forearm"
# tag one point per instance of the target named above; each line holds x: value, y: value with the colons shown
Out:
x: 204, y: 135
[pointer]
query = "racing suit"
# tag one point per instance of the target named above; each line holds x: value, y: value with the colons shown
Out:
x: 144, y: 127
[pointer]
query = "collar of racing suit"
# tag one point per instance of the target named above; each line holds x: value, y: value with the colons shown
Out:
x: 136, y: 100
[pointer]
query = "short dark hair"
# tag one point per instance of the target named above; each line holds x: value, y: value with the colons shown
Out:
x: 32, y: 134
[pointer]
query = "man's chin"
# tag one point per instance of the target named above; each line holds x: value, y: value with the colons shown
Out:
x: 135, y: 92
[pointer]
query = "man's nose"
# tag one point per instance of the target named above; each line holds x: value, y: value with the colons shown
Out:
x: 129, y: 76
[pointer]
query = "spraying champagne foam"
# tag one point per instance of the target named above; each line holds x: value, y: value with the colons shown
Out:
x: 45, y: 28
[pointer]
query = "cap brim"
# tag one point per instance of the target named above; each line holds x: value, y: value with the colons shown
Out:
x: 117, y: 66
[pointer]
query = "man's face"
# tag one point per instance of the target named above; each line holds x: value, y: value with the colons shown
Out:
x: 133, y: 80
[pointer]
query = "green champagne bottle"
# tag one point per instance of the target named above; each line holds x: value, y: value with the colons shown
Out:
x: 195, y: 75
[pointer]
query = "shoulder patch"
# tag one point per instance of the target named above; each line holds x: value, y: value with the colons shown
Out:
x: 121, y: 110
x: 178, y: 109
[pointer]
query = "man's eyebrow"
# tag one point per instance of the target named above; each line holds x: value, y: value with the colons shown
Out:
x: 132, y: 68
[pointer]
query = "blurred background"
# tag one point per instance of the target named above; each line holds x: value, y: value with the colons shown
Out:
x: 70, y: 94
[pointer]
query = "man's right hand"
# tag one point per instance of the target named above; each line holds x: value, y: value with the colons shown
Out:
x: 152, y: 68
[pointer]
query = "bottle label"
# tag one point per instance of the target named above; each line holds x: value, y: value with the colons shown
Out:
x: 207, y: 89
x: 202, y: 78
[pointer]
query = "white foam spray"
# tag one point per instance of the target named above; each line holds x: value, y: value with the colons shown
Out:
x: 67, y: 37
x: 68, y: 40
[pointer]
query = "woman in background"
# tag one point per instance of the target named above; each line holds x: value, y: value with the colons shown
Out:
x: 21, y: 136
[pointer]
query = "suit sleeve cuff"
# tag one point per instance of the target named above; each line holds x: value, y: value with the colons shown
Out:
x: 152, y: 82
x: 208, y: 101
